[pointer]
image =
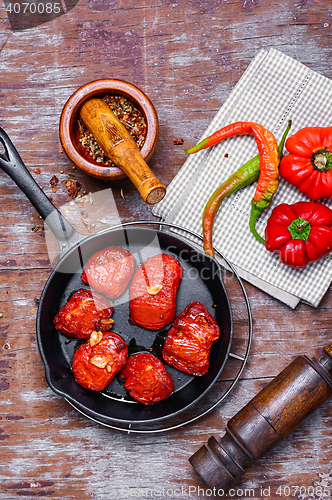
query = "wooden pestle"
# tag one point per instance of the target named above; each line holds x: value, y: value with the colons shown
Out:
x: 113, y: 137
x: 271, y: 415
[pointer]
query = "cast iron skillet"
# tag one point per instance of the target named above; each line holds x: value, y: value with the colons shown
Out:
x: 201, y: 282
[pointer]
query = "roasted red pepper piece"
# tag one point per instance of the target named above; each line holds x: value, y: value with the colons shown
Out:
x: 84, y: 313
x: 188, y: 343
x: 109, y: 271
x: 148, y: 381
x: 269, y: 158
x: 299, y: 233
x: 309, y: 164
x: 96, y: 362
x: 153, y: 292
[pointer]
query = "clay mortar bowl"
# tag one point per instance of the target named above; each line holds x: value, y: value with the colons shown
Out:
x: 69, y: 130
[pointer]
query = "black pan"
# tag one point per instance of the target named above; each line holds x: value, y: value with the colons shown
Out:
x: 202, y: 281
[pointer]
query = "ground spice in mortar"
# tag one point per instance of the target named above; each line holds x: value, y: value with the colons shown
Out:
x: 131, y: 117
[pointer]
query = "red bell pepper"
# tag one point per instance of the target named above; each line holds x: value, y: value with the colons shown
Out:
x: 309, y: 164
x: 299, y: 233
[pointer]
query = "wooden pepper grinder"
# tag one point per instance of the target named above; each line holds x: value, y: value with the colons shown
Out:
x: 113, y: 137
x: 270, y: 416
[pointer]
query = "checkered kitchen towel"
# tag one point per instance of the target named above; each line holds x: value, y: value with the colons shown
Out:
x: 273, y: 89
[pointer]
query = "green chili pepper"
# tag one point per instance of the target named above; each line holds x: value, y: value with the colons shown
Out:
x: 245, y: 175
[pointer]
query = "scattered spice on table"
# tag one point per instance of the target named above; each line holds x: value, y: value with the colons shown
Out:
x: 177, y: 142
x: 130, y: 116
x: 54, y: 181
x: 87, y: 224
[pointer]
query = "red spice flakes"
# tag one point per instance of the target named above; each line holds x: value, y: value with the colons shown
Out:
x: 54, y: 181
x: 177, y: 142
x: 73, y: 187
x: 37, y: 170
x: 226, y: 155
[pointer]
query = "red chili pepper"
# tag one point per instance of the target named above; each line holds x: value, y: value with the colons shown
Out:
x: 299, y: 233
x: 309, y: 166
x: 245, y: 175
x: 269, y: 164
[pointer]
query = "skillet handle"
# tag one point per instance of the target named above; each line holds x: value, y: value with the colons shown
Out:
x: 12, y: 164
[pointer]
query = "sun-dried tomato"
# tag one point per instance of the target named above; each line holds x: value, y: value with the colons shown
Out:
x: 153, y: 292
x: 109, y: 271
x: 188, y: 343
x: 97, y: 361
x: 148, y: 381
x: 84, y: 313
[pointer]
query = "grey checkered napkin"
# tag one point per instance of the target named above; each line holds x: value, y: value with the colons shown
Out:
x: 274, y: 89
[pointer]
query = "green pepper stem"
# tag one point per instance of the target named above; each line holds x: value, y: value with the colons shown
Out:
x: 255, y: 212
x: 299, y: 229
x: 322, y: 160
x: 283, y: 139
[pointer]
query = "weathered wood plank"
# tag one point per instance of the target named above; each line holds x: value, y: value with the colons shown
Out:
x: 187, y: 56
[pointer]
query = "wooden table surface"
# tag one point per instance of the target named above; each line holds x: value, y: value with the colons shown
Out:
x: 187, y: 55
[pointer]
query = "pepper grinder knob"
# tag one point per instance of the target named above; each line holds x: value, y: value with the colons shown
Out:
x: 271, y: 415
x: 113, y: 137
